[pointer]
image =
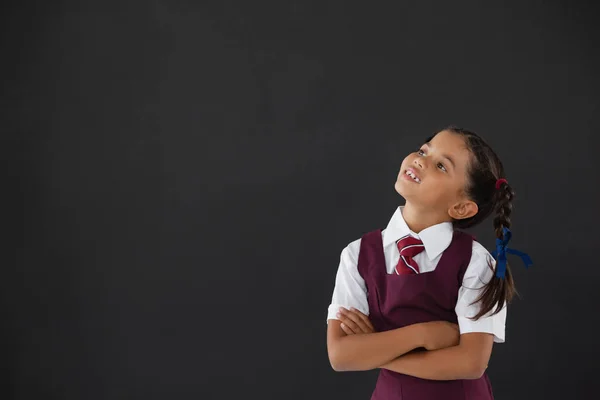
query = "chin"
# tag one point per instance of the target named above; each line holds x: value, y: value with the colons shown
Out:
x: 406, y: 193
x: 399, y: 189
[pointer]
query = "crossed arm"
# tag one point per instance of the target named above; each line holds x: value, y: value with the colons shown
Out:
x: 467, y: 360
x: 362, y: 352
x: 357, y: 347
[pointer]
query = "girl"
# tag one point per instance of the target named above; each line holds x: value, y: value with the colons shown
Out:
x: 424, y: 284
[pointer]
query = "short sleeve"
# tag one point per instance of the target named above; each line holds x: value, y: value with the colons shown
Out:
x: 350, y: 289
x: 479, y: 272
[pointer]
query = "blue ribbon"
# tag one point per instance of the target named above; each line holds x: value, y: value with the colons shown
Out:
x: 501, y: 250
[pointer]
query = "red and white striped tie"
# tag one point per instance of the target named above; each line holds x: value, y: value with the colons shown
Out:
x: 408, y: 247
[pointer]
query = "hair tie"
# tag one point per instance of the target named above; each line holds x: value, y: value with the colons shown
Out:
x: 501, y: 251
x: 499, y: 182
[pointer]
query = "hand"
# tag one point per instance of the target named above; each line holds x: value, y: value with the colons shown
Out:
x: 354, y: 322
x: 440, y: 334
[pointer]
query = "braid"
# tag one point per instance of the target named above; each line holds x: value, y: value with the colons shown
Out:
x: 485, y: 171
x: 505, y: 194
x: 499, y: 291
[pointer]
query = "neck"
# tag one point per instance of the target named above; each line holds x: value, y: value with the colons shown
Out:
x: 418, y: 219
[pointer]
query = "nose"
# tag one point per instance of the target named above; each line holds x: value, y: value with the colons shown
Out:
x: 419, y: 162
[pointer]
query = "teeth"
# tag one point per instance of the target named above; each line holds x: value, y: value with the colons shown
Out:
x: 413, y: 176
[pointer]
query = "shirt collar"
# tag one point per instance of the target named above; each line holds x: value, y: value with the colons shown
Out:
x: 436, y: 238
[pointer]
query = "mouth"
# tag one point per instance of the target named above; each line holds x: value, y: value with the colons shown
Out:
x: 411, y: 174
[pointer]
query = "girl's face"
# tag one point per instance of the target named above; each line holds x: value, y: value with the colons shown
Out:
x: 435, y: 176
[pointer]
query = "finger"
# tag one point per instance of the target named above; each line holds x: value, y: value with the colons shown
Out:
x: 364, y: 317
x: 344, y: 322
x: 344, y: 316
x: 357, y: 321
x: 348, y: 326
x: 451, y: 325
x: 346, y: 330
x: 363, y: 320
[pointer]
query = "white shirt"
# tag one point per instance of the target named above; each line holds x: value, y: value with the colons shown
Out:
x: 350, y: 289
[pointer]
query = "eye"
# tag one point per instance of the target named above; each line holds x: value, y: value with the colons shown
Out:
x: 441, y: 166
x: 420, y: 152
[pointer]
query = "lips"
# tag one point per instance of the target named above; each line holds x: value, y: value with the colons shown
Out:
x: 411, y: 173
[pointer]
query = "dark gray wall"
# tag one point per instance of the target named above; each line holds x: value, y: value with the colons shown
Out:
x: 181, y: 178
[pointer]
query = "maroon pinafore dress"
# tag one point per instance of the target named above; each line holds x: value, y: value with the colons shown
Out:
x: 396, y: 301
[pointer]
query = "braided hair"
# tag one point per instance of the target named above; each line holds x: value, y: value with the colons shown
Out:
x: 485, y: 171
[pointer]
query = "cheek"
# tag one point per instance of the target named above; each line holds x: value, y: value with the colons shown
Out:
x: 440, y: 186
x: 451, y: 189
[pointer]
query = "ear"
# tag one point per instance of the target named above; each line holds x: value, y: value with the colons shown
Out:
x: 463, y: 209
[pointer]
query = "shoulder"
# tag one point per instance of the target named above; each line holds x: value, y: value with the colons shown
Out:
x: 480, y: 253
x: 351, y: 251
x: 481, y: 266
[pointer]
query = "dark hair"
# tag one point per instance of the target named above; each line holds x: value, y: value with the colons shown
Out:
x: 484, y: 170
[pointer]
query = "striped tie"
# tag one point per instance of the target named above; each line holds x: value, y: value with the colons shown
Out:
x: 408, y: 247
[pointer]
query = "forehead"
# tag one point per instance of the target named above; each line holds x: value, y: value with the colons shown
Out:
x: 451, y: 144
x: 449, y: 140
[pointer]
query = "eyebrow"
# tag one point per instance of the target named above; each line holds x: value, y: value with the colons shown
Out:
x: 428, y: 144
